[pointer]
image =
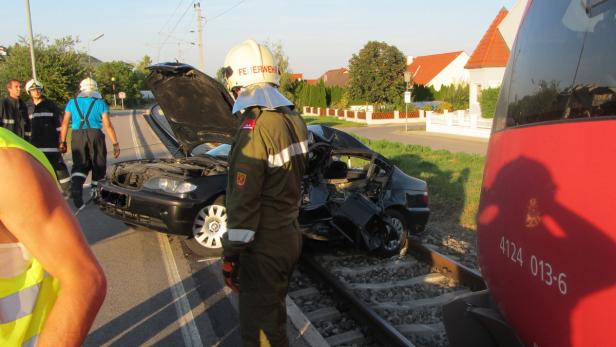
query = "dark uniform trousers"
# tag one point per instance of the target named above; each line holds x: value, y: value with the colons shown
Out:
x: 264, y: 280
x: 89, y: 154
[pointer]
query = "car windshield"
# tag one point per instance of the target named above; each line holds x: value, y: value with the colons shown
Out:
x: 218, y: 151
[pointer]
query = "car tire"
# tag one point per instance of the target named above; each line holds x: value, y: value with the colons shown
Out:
x: 398, y: 244
x: 208, y: 229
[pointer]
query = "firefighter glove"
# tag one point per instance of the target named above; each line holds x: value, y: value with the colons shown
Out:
x: 231, y: 272
x: 116, y: 150
x: 62, y: 147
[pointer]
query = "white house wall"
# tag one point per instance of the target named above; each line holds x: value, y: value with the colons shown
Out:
x: 453, y: 73
x: 488, y: 77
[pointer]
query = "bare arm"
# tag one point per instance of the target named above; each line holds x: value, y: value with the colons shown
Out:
x: 33, y: 211
x: 109, y: 128
x: 64, y: 126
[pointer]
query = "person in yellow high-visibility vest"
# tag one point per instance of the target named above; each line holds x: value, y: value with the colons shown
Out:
x: 51, y: 285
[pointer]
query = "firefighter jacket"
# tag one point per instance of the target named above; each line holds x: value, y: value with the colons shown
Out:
x: 266, y: 166
x: 27, y: 299
x: 45, y: 122
x: 14, y: 114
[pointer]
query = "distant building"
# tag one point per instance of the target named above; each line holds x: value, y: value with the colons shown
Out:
x: 436, y: 70
x: 336, y: 77
x: 488, y: 61
x: 297, y: 77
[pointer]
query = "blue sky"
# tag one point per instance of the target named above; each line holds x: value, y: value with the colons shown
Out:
x: 316, y: 35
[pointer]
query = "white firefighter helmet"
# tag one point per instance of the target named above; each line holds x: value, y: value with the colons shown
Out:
x: 34, y: 84
x: 250, y: 63
x: 88, y: 85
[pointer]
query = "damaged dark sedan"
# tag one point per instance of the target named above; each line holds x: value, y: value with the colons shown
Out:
x: 350, y: 192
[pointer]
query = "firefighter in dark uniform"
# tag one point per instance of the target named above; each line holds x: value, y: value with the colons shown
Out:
x: 45, y: 120
x: 266, y: 166
x: 14, y: 112
x: 88, y: 114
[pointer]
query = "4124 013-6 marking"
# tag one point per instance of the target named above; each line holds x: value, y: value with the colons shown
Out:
x: 539, y: 268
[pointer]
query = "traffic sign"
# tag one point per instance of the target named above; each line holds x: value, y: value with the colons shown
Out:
x: 407, y: 97
x: 122, y: 95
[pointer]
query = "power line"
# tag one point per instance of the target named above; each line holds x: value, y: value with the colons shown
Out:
x: 224, y: 12
x: 174, y: 27
x: 172, y: 15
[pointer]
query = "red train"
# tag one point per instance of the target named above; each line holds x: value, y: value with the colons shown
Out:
x: 547, y: 218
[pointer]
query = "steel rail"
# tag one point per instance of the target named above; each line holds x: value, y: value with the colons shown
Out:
x: 382, y: 330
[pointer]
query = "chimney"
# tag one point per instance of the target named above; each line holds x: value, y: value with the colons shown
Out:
x: 409, y: 59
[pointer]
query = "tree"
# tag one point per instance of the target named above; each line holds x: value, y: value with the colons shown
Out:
x: 58, y: 66
x: 143, y: 64
x: 127, y: 80
x: 288, y: 87
x: 377, y: 73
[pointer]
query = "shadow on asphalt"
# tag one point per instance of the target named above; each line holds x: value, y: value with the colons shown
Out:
x: 144, y: 321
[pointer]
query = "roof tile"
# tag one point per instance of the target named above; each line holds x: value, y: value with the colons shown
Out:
x: 492, y: 51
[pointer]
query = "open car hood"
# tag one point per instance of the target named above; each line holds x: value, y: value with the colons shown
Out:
x: 197, y: 107
x: 337, y: 139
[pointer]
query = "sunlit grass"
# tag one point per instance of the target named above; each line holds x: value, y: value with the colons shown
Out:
x: 331, y: 121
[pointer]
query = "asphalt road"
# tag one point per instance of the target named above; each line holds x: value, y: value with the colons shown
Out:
x: 157, y: 295
x: 416, y: 136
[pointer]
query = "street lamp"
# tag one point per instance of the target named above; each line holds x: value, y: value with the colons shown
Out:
x: 114, y: 93
x: 89, y: 56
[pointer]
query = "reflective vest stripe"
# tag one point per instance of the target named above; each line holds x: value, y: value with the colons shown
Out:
x: 8, y: 121
x: 48, y: 150
x: 65, y: 180
x: 284, y: 156
x: 19, y: 304
x: 79, y: 174
x: 241, y: 235
x: 31, y: 341
x: 41, y: 114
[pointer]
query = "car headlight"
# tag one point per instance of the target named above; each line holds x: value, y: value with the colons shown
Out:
x: 169, y: 185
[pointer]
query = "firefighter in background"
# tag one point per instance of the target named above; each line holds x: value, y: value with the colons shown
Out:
x: 13, y: 111
x: 88, y: 114
x: 266, y: 165
x: 45, y: 120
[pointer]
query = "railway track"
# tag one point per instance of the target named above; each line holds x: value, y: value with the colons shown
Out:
x: 355, y: 299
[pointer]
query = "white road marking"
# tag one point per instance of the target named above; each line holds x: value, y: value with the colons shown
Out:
x: 190, y: 333
x: 133, y: 133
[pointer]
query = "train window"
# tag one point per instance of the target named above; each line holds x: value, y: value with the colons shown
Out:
x: 561, y: 64
x: 594, y: 91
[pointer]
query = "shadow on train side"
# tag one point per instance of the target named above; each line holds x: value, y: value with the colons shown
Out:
x: 547, y: 267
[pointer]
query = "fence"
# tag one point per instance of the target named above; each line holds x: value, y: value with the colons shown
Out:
x: 459, y: 123
x: 367, y: 117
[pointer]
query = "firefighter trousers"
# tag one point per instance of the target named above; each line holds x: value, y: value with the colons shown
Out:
x: 89, y: 154
x: 264, y: 281
x: 64, y: 179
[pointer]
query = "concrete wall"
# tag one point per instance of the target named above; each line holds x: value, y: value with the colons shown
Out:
x: 368, y: 118
x: 454, y: 73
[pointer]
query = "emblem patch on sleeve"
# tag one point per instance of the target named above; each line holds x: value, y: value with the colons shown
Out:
x: 249, y: 124
x: 240, y: 180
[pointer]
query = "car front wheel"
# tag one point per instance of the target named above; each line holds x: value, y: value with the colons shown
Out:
x: 208, y: 229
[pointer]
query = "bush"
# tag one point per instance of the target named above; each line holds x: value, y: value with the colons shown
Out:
x: 487, y: 101
x: 454, y: 94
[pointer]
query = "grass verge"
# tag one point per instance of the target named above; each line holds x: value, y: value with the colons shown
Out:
x: 454, y: 179
x: 331, y: 121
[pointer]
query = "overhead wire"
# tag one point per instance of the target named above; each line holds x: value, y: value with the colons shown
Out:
x: 174, y: 27
x: 224, y: 12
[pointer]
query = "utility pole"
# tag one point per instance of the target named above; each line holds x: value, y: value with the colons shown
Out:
x: 200, y: 37
x: 31, y: 39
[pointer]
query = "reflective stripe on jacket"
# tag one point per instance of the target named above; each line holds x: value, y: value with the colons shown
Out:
x: 25, y: 300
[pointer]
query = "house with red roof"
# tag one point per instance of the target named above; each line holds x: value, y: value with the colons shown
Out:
x: 297, y: 77
x: 436, y: 70
x: 488, y: 61
x: 335, y: 77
